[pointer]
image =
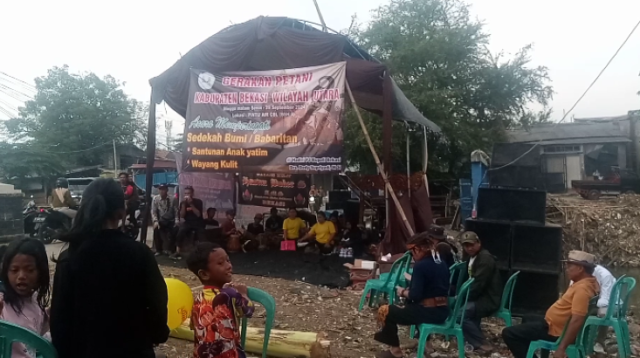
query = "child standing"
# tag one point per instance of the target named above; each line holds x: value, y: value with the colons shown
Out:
x: 25, y: 274
x: 217, y: 310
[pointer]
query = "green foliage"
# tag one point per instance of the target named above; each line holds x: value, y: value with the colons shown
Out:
x: 438, y: 55
x: 78, y: 117
x: 23, y: 160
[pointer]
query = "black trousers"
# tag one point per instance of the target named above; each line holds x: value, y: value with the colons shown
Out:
x: 411, y: 314
x: 185, y: 229
x: 518, y: 338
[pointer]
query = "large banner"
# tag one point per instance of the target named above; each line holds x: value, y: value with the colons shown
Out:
x: 282, y: 121
x: 215, y: 190
x: 274, y: 190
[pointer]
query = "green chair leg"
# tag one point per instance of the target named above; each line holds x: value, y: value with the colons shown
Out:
x: 363, y: 299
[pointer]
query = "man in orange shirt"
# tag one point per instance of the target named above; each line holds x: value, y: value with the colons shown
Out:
x: 573, y: 305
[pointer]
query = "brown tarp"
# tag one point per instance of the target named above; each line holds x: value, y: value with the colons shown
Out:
x: 272, y: 43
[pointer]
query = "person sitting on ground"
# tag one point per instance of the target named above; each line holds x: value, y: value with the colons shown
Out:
x: 426, y: 296
x: 274, y: 221
x: 210, y: 221
x: 322, y: 234
x: 572, y: 307
x: 229, y: 224
x: 292, y: 226
x: 485, y: 292
x: 164, y: 216
x: 192, y: 221
x: 252, y: 237
x: 606, y: 281
x: 218, y: 308
x: 256, y: 228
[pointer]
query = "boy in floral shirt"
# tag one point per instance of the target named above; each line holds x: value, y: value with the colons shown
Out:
x: 218, y: 309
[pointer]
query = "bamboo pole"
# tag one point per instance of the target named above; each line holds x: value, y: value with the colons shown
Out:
x: 426, y: 159
x: 377, y: 160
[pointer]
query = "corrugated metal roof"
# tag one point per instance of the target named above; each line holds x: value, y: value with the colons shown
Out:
x: 583, y: 132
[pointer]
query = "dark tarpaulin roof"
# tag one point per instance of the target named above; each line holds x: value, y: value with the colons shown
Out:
x: 271, y: 43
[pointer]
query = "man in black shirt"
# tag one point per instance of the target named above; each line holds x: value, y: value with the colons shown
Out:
x: 192, y: 221
x: 274, y: 222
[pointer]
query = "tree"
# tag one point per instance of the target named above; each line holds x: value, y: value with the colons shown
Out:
x: 438, y: 55
x: 78, y: 117
x: 21, y: 160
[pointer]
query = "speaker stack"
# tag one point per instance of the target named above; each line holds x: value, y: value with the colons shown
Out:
x: 511, y: 225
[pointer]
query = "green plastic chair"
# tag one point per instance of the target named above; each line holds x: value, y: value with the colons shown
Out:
x: 615, y: 317
x: 269, y: 303
x: 575, y: 350
x: 406, y: 269
x: 460, y: 269
x: 451, y: 327
x: 386, y: 286
x: 11, y: 333
x: 504, y: 311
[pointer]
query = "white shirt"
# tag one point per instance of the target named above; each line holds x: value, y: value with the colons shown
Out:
x: 606, y: 281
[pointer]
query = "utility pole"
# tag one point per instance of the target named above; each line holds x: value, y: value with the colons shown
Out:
x: 168, y: 125
x: 115, y: 160
x: 324, y: 25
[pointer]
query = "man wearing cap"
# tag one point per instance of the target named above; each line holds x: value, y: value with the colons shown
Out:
x: 163, y: 213
x: 485, y: 291
x: 573, y: 307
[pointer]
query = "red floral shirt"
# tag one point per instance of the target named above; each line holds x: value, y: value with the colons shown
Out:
x: 216, y: 319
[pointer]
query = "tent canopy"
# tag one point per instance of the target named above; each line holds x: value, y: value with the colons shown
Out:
x: 272, y: 43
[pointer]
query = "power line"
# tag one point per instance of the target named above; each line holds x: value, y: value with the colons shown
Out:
x: 83, y: 150
x: 17, y: 79
x: 579, y: 99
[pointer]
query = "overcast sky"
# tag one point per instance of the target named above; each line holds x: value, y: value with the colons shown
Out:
x: 135, y: 40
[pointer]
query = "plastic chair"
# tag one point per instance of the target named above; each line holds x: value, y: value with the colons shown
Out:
x: 386, y: 286
x: 269, y: 303
x: 406, y: 269
x: 615, y: 317
x: 451, y: 327
x: 459, y: 269
x: 576, y: 350
x: 504, y: 311
x: 10, y: 333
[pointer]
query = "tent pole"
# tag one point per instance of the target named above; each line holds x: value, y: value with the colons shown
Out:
x: 408, y: 163
x: 387, y: 133
x: 426, y: 159
x: 151, y: 155
x: 377, y: 160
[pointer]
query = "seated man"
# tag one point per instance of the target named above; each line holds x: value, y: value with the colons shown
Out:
x: 322, y: 234
x: 163, y: 214
x: 191, y: 214
x: 484, y: 294
x: 573, y: 305
x: 211, y: 221
x: 426, y: 297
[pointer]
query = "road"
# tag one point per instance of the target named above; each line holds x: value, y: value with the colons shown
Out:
x: 56, y: 247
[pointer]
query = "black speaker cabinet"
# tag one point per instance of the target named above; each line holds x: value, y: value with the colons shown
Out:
x: 495, y: 237
x: 340, y: 196
x: 512, y: 205
x: 534, y: 292
x: 536, y: 248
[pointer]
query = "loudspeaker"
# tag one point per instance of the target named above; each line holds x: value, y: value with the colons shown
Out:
x: 352, y: 211
x: 516, y: 165
x: 495, y: 237
x: 536, y: 248
x: 512, y: 205
x: 534, y: 292
x: 339, y: 196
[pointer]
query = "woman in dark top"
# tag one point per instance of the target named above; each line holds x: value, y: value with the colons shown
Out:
x: 426, y: 297
x: 109, y: 298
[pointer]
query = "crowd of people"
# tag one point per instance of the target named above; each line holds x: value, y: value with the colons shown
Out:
x: 109, y: 299
x: 426, y: 298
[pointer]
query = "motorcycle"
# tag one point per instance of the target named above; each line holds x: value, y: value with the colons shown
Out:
x: 51, y: 224
x: 29, y: 213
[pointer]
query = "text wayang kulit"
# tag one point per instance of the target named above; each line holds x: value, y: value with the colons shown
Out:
x: 281, y: 121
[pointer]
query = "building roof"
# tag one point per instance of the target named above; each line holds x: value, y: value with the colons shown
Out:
x: 570, y: 133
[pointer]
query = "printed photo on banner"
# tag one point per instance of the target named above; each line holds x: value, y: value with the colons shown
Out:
x: 280, y: 121
x: 274, y: 190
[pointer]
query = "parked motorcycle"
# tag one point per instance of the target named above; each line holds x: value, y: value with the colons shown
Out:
x: 29, y: 213
x: 51, y: 224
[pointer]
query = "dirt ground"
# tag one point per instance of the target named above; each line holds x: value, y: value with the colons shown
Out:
x: 303, y: 307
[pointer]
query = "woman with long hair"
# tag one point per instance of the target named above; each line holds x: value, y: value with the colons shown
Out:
x: 109, y: 298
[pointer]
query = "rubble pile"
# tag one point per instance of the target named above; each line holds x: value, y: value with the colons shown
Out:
x: 608, y: 228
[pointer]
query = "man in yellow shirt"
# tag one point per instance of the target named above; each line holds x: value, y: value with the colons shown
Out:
x: 573, y: 307
x: 322, y: 234
x: 293, y: 225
